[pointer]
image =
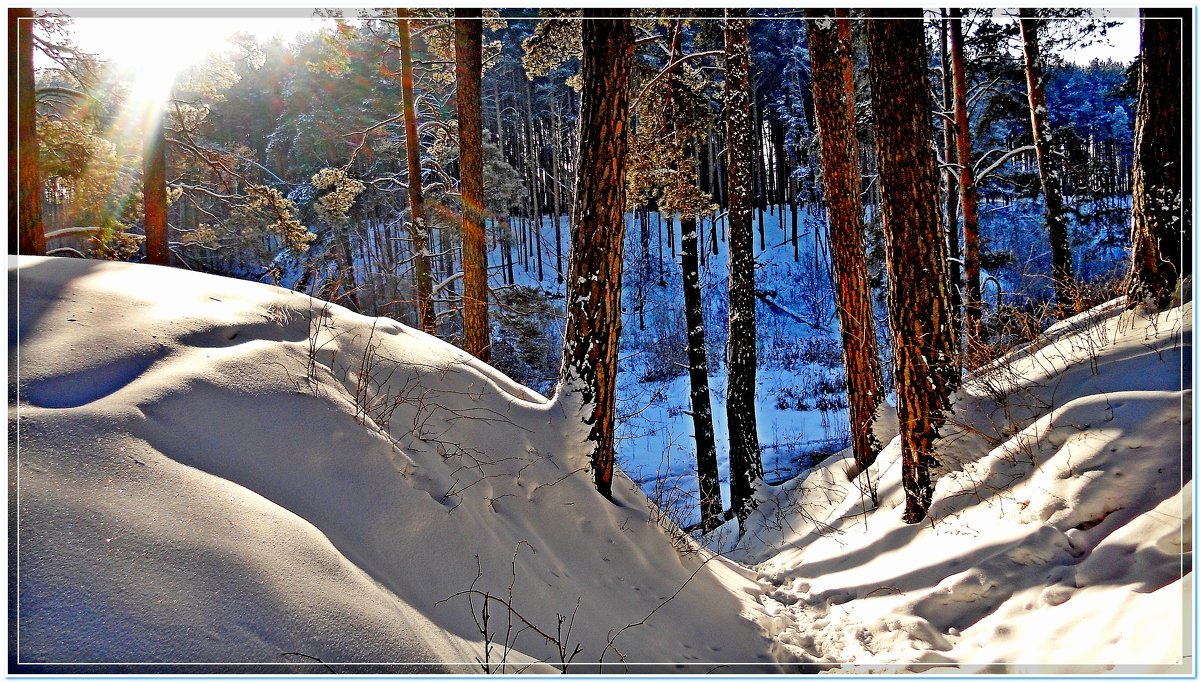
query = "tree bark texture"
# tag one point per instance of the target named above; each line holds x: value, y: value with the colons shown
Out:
x: 25, y: 233
x: 426, y: 320
x: 966, y: 183
x: 830, y: 48
x: 468, y: 75
x: 918, y: 300
x: 745, y: 459
x: 1158, y: 256
x: 1049, y: 168
x: 593, y: 330
x: 707, y: 473
x: 154, y: 187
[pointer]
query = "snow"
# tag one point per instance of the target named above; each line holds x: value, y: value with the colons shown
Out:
x: 1060, y: 537
x: 215, y: 471
x: 184, y: 483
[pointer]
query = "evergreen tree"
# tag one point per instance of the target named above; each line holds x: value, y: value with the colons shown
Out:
x: 154, y: 187
x: 468, y: 71
x: 1160, y: 219
x: 918, y: 300
x: 966, y: 183
x: 588, y: 381
x: 745, y: 460
x: 1049, y: 167
x: 25, y: 233
x: 419, y: 229
x: 831, y: 52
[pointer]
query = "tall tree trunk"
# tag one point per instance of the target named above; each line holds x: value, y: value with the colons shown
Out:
x: 25, y: 233
x: 154, y: 187
x: 1049, y: 168
x: 426, y: 320
x: 713, y: 185
x: 759, y: 176
x: 555, y: 181
x: 1161, y: 212
x: 468, y: 76
x: 950, y: 144
x: 745, y: 460
x: 707, y: 474
x: 970, y: 198
x: 506, y: 240
x: 831, y: 51
x: 919, y: 303
x: 590, y: 342
x: 535, y: 209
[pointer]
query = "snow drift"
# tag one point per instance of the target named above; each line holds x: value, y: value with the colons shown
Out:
x: 231, y: 476
x: 212, y: 471
x: 1059, y: 538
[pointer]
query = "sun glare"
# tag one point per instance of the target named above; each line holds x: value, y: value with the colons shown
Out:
x: 156, y: 50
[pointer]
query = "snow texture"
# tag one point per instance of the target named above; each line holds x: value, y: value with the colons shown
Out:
x: 1060, y: 535
x: 187, y: 494
x: 215, y: 471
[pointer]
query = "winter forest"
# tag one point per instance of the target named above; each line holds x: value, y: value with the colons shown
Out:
x: 600, y: 341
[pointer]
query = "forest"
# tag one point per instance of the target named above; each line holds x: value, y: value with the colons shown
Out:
x: 789, y: 285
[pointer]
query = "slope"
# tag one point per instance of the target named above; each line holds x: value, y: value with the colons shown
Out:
x: 210, y: 471
x: 1059, y: 539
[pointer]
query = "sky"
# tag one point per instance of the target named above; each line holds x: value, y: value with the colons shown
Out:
x: 170, y: 43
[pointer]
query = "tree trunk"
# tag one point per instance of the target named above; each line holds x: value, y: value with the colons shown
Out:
x: 426, y: 320
x: 966, y: 183
x: 154, y: 188
x: 468, y: 76
x: 1158, y: 255
x: 707, y: 474
x: 25, y: 233
x: 919, y: 303
x: 745, y: 460
x: 555, y: 180
x: 590, y: 342
x: 1049, y: 169
x: 831, y: 49
x: 950, y: 145
x: 535, y: 208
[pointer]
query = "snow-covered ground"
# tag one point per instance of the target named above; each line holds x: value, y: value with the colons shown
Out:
x: 1059, y: 538
x: 214, y: 471
x: 197, y: 482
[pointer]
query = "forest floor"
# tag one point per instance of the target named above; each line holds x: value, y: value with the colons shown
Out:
x: 225, y: 476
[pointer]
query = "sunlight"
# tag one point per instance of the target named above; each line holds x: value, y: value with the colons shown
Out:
x: 154, y: 50
x: 158, y: 49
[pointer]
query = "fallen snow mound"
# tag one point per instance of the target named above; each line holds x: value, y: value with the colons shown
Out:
x: 213, y: 472
x: 1060, y: 535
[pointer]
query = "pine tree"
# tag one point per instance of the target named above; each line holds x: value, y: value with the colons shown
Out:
x: 426, y: 320
x: 468, y: 73
x: 745, y: 460
x: 949, y: 145
x: 154, y: 188
x: 831, y: 51
x: 966, y: 183
x: 25, y: 233
x: 707, y: 472
x: 1049, y: 168
x: 918, y: 300
x: 1160, y: 178
x: 587, y: 387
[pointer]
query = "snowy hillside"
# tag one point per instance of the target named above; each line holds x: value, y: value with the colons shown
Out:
x: 215, y: 471
x: 1061, y: 532
x: 197, y: 482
